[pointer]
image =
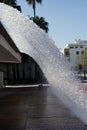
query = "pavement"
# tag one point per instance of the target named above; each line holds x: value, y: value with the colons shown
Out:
x: 35, y: 108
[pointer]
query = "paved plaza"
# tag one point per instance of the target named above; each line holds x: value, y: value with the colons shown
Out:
x: 35, y: 109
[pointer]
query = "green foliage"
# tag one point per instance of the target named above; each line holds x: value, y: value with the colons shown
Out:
x: 40, y: 21
x: 9, y: 2
x: 33, y: 3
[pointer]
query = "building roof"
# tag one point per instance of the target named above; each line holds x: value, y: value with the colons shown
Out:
x: 78, y: 43
x: 8, y: 50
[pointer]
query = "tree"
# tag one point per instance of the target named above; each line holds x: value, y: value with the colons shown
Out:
x: 9, y: 2
x: 84, y: 61
x: 40, y: 21
x: 33, y: 3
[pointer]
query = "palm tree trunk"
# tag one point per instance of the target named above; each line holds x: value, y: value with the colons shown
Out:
x: 34, y: 7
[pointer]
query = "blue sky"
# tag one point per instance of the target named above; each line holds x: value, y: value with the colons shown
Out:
x: 67, y: 19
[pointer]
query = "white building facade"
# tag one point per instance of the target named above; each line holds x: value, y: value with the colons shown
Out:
x: 75, y: 53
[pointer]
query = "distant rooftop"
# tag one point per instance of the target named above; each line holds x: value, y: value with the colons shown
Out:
x: 80, y: 41
x: 77, y: 42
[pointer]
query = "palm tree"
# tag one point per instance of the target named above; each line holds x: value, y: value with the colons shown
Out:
x: 9, y: 2
x: 33, y: 3
x: 40, y: 21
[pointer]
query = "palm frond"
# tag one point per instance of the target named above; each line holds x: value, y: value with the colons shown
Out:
x: 39, y: 1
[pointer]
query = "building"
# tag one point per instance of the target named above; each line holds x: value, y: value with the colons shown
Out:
x: 9, y: 53
x: 76, y: 53
x: 31, y: 41
x: 16, y: 67
x: 26, y: 72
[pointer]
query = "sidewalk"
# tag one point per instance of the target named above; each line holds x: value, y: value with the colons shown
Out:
x: 35, y: 109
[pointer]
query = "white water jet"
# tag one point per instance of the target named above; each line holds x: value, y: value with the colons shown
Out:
x: 33, y: 41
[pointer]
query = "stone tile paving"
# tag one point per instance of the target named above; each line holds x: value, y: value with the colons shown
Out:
x: 35, y: 109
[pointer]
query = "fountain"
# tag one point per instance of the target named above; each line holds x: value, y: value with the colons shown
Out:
x: 30, y: 39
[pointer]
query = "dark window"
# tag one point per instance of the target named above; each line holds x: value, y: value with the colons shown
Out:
x: 71, y: 46
x: 80, y: 67
x: 67, y: 53
x: 81, y: 46
x: 76, y: 47
x: 77, y: 52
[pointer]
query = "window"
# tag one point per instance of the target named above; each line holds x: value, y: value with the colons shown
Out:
x: 69, y: 59
x: 67, y: 53
x: 71, y: 47
x: 82, y: 52
x: 81, y: 46
x: 76, y: 47
x: 77, y: 52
